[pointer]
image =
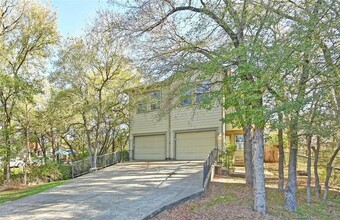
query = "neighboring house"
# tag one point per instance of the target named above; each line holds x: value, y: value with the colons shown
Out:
x: 167, y: 125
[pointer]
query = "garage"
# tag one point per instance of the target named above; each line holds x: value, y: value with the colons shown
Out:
x: 150, y: 147
x: 195, y: 145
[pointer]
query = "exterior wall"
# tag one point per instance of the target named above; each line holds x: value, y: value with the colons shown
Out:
x: 229, y: 127
x: 172, y: 119
x: 180, y: 119
x: 148, y: 122
x: 191, y: 119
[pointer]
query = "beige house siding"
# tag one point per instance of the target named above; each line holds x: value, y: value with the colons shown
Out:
x: 179, y: 120
x: 186, y: 117
x: 189, y: 119
x: 148, y: 122
x: 172, y: 119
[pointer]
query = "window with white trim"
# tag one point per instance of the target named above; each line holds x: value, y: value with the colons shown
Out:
x: 155, y: 100
x: 202, y: 92
x: 151, y: 101
x: 186, y: 98
x: 141, y: 107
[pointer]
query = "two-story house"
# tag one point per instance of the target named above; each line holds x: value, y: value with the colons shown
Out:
x: 168, y: 122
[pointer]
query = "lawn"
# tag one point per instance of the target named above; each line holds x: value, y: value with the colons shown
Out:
x: 18, y: 193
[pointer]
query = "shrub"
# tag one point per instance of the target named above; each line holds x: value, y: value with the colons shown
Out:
x: 124, y: 155
x: 50, y: 171
x: 227, y: 156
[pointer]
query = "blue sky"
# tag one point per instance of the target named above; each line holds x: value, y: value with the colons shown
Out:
x: 73, y: 15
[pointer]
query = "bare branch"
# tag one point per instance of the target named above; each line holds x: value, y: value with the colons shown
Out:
x: 205, y: 11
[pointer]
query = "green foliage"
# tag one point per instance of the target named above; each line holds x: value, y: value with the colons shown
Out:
x: 50, y: 171
x: 124, y: 155
x: 24, y: 48
x: 227, y: 156
x: 272, y: 139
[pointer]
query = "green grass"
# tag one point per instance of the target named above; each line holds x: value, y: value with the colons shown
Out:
x: 315, y: 210
x: 226, y: 199
x: 239, y: 195
x: 11, y: 195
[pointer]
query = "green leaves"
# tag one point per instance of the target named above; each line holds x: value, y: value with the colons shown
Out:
x: 27, y: 30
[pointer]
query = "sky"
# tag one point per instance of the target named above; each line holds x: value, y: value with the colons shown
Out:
x: 73, y: 15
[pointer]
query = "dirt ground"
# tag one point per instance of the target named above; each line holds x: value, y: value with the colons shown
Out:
x: 230, y: 198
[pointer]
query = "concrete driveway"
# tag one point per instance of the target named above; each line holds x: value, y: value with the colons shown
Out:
x: 133, y: 190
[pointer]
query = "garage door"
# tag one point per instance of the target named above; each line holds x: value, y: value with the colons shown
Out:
x: 194, y: 145
x: 150, y: 147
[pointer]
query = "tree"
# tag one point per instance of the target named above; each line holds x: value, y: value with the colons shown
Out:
x: 308, y: 25
x: 92, y: 73
x: 208, y: 37
x: 27, y: 32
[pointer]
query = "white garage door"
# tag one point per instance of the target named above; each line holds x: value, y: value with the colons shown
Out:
x: 150, y: 147
x: 195, y: 145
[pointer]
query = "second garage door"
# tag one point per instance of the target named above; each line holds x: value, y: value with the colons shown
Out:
x: 194, y: 145
x: 151, y: 147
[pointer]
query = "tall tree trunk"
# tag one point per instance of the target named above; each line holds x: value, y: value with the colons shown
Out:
x: 53, y: 144
x: 290, y: 189
x: 8, y: 143
x: 281, y: 154
x: 248, y: 155
x: 70, y: 146
x: 309, y: 166
x: 43, y: 147
x: 316, y: 172
x: 88, y: 136
x: 27, y: 144
x: 96, y: 146
x: 259, y: 189
x: 113, y: 146
x: 329, y: 171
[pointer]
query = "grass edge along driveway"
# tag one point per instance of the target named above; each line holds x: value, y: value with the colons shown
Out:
x: 14, y: 194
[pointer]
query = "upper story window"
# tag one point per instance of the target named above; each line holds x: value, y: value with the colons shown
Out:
x: 202, y: 92
x: 151, y: 102
x: 195, y: 96
x: 155, y: 100
x: 186, y: 98
x: 141, y: 107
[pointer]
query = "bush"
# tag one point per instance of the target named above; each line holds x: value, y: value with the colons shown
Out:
x: 50, y: 171
x: 16, y: 176
x: 227, y: 156
x: 124, y: 155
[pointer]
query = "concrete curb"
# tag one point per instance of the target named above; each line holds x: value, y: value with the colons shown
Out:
x: 176, y: 203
